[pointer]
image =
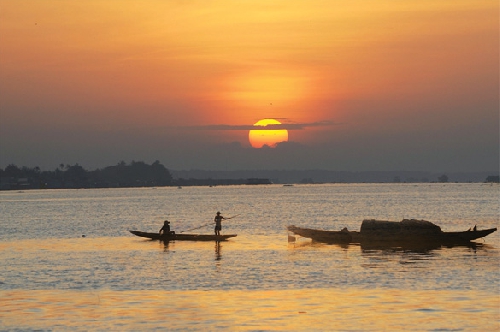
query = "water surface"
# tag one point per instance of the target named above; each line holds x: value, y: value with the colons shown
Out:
x: 68, y: 261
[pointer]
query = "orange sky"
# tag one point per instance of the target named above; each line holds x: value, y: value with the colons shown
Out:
x: 372, y: 69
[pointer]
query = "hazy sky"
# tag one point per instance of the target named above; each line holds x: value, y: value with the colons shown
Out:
x: 360, y: 85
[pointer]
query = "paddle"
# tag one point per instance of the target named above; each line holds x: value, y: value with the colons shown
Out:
x: 210, y: 223
x: 192, y: 229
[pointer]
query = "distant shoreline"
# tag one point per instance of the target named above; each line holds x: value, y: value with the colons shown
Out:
x: 140, y: 174
x: 325, y: 176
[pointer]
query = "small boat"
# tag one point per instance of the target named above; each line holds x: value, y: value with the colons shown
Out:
x: 393, y: 233
x: 183, y: 237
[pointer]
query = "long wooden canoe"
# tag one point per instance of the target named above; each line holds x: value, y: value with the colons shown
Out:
x: 183, y: 237
x: 407, y: 231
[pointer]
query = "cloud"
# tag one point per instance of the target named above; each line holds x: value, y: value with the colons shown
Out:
x: 287, y: 126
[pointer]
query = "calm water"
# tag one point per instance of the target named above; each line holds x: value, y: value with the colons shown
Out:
x: 67, y: 261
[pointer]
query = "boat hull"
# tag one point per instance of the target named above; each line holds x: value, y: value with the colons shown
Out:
x: 183, y: 237
x: 392, y: 236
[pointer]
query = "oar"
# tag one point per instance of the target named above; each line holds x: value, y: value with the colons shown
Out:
x: 210, y: 223
x: 192, y: 229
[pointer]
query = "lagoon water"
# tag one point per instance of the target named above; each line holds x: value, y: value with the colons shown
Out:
x: 67, y: 261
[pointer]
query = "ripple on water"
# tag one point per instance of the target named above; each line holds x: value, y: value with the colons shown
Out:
x: 303, y: 310
x: 112, y: 280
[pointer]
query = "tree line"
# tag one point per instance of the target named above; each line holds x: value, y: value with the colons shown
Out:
x: 137, y: 174
x: 134, y: 174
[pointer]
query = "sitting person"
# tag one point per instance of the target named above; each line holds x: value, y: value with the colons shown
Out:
x: 166, y: 228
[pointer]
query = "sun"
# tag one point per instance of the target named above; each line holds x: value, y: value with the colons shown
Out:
x: 270, y: 137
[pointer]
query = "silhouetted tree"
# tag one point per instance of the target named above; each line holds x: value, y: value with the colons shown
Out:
x: 13, y: 171
x: 443, y: 178
x: 493, y: 178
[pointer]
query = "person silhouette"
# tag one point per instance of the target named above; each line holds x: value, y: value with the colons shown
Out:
x: 218, y: 223
x: 166, y: 229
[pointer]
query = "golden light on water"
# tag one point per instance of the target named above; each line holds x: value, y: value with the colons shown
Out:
x: 54, y: 278
x: 287, y: 310
x: 258, y: 138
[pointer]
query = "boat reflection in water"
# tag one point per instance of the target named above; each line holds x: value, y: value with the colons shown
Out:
x: 218, y: 255
x: 168, y: 244
x: 392, y: 247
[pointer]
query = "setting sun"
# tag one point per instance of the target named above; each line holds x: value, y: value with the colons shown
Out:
x: 270, y: 137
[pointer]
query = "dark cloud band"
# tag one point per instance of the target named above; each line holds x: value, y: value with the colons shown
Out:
x: 287, y: 126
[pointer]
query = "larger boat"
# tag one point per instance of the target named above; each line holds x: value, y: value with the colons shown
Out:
x: 407, y: 231
x: 183, y: 237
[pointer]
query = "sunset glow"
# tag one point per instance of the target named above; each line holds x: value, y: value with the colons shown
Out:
x: 113, y: 80
x: 261, y: 137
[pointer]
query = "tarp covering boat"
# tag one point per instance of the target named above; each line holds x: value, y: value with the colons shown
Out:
x: 406, y: 225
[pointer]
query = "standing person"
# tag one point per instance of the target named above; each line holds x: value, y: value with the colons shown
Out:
x: 218, y: 223
x: 166, y: 228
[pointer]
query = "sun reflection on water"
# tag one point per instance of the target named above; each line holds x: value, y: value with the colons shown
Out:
x: 286, y: 310
x: 53, y: 278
